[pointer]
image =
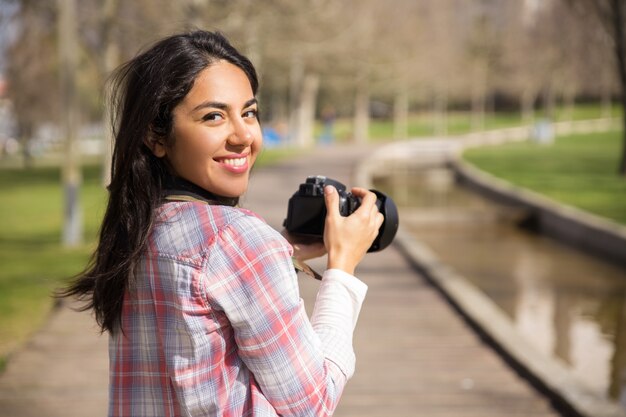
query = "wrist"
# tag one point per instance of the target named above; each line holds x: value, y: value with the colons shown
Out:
x: 340, y: 263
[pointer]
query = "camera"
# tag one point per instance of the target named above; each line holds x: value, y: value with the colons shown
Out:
x: 306, y: 212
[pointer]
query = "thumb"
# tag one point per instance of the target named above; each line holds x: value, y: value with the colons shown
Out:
x: 332, y: 200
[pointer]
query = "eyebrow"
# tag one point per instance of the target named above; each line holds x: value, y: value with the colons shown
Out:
x: 222, y: 106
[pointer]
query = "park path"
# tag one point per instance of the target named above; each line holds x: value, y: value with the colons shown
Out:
x: 415, y: 354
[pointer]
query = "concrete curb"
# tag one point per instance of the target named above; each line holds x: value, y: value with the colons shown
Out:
x: 570, y: 225
x: 548, y: 374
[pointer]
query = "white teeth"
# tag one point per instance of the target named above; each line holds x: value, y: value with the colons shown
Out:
x: 235, y: 162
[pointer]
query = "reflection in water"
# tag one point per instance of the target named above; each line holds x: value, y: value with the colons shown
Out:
x: 535, y: 307
x: 618, y: 362
x: 567, y: 303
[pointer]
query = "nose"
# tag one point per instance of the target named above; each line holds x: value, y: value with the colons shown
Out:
x: 241, y: 134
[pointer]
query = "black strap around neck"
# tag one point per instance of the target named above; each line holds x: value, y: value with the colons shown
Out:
x: 179, y: 189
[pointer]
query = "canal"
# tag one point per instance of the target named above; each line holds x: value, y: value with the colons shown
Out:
x: 565, y: 302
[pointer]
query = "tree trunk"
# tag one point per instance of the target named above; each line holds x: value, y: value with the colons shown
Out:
x: 549, y: 103
x: 528, y: 108
x: 401, y: 115
x: 622, y: 164
x: 569, y: 100
x: 107, y: 142
x: 296, y: 76
x: 109, y: 61
x: 479, y: 92
x: 441, y: 114
x: 478, y: 112
x: 614, y: 19
x: 607, y: 99
x: 620, y: 53
x: 25, y: 135
x: 72, y: 229
x: 361, y: 111
x: 306, y: 110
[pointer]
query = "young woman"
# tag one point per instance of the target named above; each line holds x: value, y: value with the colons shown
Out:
x: 199, y: 296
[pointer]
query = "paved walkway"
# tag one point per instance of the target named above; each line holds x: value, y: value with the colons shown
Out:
x: 415, y: 355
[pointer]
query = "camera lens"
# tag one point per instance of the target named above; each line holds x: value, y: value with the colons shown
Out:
x: 388, y: 229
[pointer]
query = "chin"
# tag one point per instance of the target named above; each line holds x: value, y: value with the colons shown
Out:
x: 232, y: 193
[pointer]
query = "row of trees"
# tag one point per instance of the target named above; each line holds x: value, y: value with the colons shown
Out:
x: 436, y: 55
x: 428, y: 54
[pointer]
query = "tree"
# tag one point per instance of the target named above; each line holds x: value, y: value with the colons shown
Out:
x: 108, y: 61
x: 32, y: 83
x: 68, y: 63
x: 484, y: 54
x: 612, y: 15
x: 443, y: 57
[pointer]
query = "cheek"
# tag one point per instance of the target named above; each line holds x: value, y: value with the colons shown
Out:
x: 195, y: 145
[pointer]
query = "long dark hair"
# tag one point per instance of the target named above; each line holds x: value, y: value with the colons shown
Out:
x: 145, y: 91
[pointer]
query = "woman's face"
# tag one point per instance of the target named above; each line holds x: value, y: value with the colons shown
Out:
x: 216, y: 133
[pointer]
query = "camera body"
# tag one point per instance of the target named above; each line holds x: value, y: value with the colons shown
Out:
x: 306, y: 212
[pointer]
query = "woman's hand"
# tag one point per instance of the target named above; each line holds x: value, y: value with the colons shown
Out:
x: 347, y: 239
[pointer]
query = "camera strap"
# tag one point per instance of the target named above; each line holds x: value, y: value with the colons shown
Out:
x: 303, y: 267
x: 179, y: 189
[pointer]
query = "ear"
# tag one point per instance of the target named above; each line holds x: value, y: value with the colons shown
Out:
x: 156, y: 145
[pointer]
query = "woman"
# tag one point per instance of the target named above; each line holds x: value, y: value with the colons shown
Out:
x: 200, y: 297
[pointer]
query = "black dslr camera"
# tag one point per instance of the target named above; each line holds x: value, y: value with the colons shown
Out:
x: 307, y: 211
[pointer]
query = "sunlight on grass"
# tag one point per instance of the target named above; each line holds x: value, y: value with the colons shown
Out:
x: 459, y: 122
x: 33, y: 260
x: 578, y: 170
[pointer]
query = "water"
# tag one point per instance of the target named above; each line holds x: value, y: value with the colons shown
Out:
x: 567, y: 303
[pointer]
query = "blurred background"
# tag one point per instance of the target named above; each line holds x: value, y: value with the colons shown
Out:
x: 318, y: 59
x: 331, y: 72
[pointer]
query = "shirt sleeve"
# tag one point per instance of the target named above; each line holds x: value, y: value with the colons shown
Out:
x: 335, y: 314
x: 301, y: 368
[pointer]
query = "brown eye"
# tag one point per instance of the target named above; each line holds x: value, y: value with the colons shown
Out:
x: 213, y: 116
x: 252, y: 113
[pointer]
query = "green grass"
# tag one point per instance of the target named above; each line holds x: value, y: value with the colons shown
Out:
x: 578, y: 170
x: 33, y: 260
x: 585, y: 112
x: 459, y: 122
x: 421, y: 125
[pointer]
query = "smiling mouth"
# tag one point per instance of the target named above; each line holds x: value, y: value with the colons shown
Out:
x: 237, y: 165
x: 235, y: 162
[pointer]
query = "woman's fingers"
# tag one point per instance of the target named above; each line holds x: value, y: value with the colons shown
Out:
x: 332, y: 201
x: 348, y: 238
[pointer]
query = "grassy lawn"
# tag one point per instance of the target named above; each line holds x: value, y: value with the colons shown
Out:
x: 578, y: 170
x: 422, y: 124
x: 32, y: 257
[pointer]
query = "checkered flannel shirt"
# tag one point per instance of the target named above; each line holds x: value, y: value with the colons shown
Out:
x: 214, y: 325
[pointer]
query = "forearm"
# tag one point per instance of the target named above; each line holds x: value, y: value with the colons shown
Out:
x: 335, y: 314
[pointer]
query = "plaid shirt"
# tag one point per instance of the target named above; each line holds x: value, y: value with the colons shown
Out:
x: 214, y: 325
